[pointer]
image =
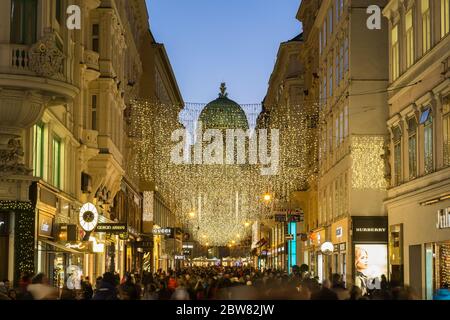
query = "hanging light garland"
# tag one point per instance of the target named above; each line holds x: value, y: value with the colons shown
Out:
x: 225, y: 199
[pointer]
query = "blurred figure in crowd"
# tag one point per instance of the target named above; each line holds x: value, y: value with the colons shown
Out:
x: 107, y: 289
x: 40, y: 288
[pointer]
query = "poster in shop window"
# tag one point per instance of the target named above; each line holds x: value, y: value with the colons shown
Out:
x: 370, y: 265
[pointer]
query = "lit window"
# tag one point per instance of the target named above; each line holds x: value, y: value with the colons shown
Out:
x: 426, y: 26
x: 330, y: 75
x: 428, y: 140
x: 336, y: 131
x: 446, y: 129
x: 409, y: 30
x: 56, y: 165
x: 397, y: 155
x: 346, y: 54
x: 341, y: 127
x: 412, y: 147
x: 445, y: 17
x: 38, y: 150
x: 346, y: 121
x: 395, y: 53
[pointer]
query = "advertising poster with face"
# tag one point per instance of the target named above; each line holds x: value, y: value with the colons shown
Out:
x: 370, y: 265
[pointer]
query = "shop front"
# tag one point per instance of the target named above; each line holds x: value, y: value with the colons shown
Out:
x: 339, y: 239
x: 370, y: 251
x: 318, y: 260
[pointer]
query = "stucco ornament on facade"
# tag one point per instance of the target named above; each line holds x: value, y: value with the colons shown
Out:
x: 11, y: 158
x: 46, y: 59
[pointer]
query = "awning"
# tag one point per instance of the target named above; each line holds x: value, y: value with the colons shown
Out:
x: 59, y: 246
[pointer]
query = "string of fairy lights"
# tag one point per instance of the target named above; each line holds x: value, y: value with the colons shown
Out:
x: 219, y: 203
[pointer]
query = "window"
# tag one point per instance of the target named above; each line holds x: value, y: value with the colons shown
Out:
x: 337, y: 73
x: 341, y: 61
x: 95, y: 37
x: 324, y: 34
x: 341, y: 127
x: 446, y: 129
x: 38, y: 150
x: 23, y: 21
x: 337, y: 9
x: 59, y: 14
x: 445, y: 17
x: 428, y: 140
x: 397, y: 155
x: 409, y: 31
x: 94, y: 112
x: 346, y: 54
x: 324, y: 90
x: 330, y: 75
x: 320, y: 42
x: 412, y: 147
x: 336, y: 131
x: 336, y: 198
x: 56, y: 165
x: 330, y: 21
x: 395, y: 53
x: 426, y: 26
x: 346, y: 121
x: 330, y: 136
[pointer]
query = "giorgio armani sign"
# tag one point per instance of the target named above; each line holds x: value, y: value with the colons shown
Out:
x: 370, y: 229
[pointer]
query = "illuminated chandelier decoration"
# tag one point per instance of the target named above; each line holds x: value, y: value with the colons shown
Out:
x: 217, y: 203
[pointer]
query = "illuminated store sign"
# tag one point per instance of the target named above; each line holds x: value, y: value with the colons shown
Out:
x: 115, y: 228
x: 45, y: 226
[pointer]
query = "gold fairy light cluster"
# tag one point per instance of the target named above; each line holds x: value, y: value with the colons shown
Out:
x: 219, y: 203
x: 367, y: 162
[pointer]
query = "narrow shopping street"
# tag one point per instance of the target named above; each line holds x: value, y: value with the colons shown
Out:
x: 202, y: 150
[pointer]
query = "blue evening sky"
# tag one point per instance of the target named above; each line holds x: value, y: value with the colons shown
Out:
x: 232, y: 41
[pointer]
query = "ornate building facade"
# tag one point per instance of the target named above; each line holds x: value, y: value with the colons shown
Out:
x: 348, y: 83
x: 65, y: 96
x: 419, y: 125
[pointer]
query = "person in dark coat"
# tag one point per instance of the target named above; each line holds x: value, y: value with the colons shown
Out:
x: 107, y: 290
x: 86, y: 286
x: 325, y: 293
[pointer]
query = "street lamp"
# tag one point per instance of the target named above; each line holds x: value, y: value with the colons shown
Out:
x: 267, y: 197
x: 191, y: 214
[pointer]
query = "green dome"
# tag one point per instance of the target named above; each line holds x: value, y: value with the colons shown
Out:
x: 223, y: 113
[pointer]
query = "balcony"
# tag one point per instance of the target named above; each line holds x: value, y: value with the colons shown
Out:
x: 39, y: 67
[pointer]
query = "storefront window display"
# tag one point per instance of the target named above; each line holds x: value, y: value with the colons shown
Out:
x: 370, y: 247
x: 437, y: 267
x: 396, y: 252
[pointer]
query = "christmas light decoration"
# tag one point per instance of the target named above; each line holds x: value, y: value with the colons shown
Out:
x: 219, y: 201
x: 368, y: 165
x: 24, y: 214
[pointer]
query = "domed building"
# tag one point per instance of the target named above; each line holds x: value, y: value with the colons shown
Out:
x: 223, y: 113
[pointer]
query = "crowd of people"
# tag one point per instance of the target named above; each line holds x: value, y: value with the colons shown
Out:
x: 211, y: 283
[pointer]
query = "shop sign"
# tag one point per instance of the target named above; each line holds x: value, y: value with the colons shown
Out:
x: 370, y: 229
x: 443, y: 218
x: 115, y: 228
x: 342, y: 247
x: 336, y: 248
x: 163, y: 232
x: 180, y: 257
x: 45, y: 226
x: 144, y: 244
x: 289, y: 237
